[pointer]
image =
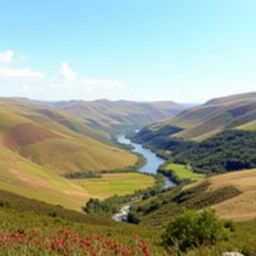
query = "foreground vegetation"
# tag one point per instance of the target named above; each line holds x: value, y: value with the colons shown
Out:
x: 194, y: 229
x: 29, y: 227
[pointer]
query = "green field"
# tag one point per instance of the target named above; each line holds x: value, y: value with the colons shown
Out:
x: 116, y: 184
x: 182, y: 172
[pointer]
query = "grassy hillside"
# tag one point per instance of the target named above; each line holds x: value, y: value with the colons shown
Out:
x: 120, y: 115
x: 34, y: 228
x: 23, y: 177
x: 40, y: 145
x: 231, y: 195
x: 204, y: 121
x: 31, y: 227
x: 57, y: 140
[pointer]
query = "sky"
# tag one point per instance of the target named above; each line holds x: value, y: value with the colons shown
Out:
x: 143, y: 50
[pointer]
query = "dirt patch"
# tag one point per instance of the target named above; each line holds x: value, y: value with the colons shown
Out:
x: 77, y: 194
x: 25, y: 134
x: 30, y: 181
x: 114, y: 175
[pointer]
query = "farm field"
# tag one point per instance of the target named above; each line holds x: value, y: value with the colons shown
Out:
x: 183, y: 173
x: 23, y: 177
x: 115, y: 184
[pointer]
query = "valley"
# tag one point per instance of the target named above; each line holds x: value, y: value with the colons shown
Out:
x: 65, y: 169
x: 128, y: 128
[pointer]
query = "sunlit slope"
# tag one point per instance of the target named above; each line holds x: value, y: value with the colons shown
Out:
x: 56, y: 140
x: 23, y: 177
x: 242, y: 206
x: 111, y: 115
x: 201, y: 122
x: 232, y: 195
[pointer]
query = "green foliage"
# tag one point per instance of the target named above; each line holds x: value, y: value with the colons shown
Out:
x: 156, y: 210
x: 194, y: 229
x: 111, y: 205
x: 228, y: 151
x: 15, y: 202
x: 180, y: 173
x: 133, y: 217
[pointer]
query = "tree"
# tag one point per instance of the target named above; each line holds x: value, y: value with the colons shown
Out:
x: 192, y: 229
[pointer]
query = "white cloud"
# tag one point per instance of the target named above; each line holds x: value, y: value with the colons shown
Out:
x: 66, y: 72
x: 6, y: 57
x: 68, y: 79
x: 66, y: 84
x: 24, y: 73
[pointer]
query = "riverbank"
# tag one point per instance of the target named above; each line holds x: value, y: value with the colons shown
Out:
x: 153, y: 161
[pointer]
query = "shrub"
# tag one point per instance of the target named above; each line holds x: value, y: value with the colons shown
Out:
x: 193, y: 229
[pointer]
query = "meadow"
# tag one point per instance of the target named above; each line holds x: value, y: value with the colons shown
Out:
x: 181, y: 172
x: 120, y: 184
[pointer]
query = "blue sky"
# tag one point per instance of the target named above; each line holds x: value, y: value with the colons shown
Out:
x: 182, y: 50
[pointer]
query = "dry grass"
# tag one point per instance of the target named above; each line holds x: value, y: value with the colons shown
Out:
x: 241, y: 207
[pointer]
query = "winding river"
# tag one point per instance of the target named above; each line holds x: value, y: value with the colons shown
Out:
x: 151, y: 166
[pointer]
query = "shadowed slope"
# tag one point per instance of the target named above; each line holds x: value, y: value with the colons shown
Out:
x: 204, y: 121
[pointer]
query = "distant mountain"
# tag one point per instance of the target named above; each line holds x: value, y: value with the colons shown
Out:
x: 120, y: 115
x: 216, y: 115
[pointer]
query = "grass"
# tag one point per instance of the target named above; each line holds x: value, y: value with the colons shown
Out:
x: 182, y: 172
x: 22, y: 215
x: 56, y: 140
x: 251, y: 126
x: 19, y: 215
x: 40, y: 144
x: 23, y: 177
x: 116, y: 184
x: 242, y: 207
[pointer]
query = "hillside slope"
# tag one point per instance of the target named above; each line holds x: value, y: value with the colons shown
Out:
x: 120, y: 115
x: 204, y: 121
x: 57, y: 140
x: 232, y: 195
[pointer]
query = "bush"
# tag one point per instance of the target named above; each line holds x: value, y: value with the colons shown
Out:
x: 133, y: 217
x: 193, y: 229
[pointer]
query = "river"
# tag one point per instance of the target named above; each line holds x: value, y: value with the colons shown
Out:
x: 153, y: 161
x: 151, y: 166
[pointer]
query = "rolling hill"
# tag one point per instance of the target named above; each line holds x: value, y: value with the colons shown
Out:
x: 40, y: 144
x: 57, y: 140
x: 120, y: 115
x: 215, y: 116
x: 231, y: 195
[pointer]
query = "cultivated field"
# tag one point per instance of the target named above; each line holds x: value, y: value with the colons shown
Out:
x: 115, y: 184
